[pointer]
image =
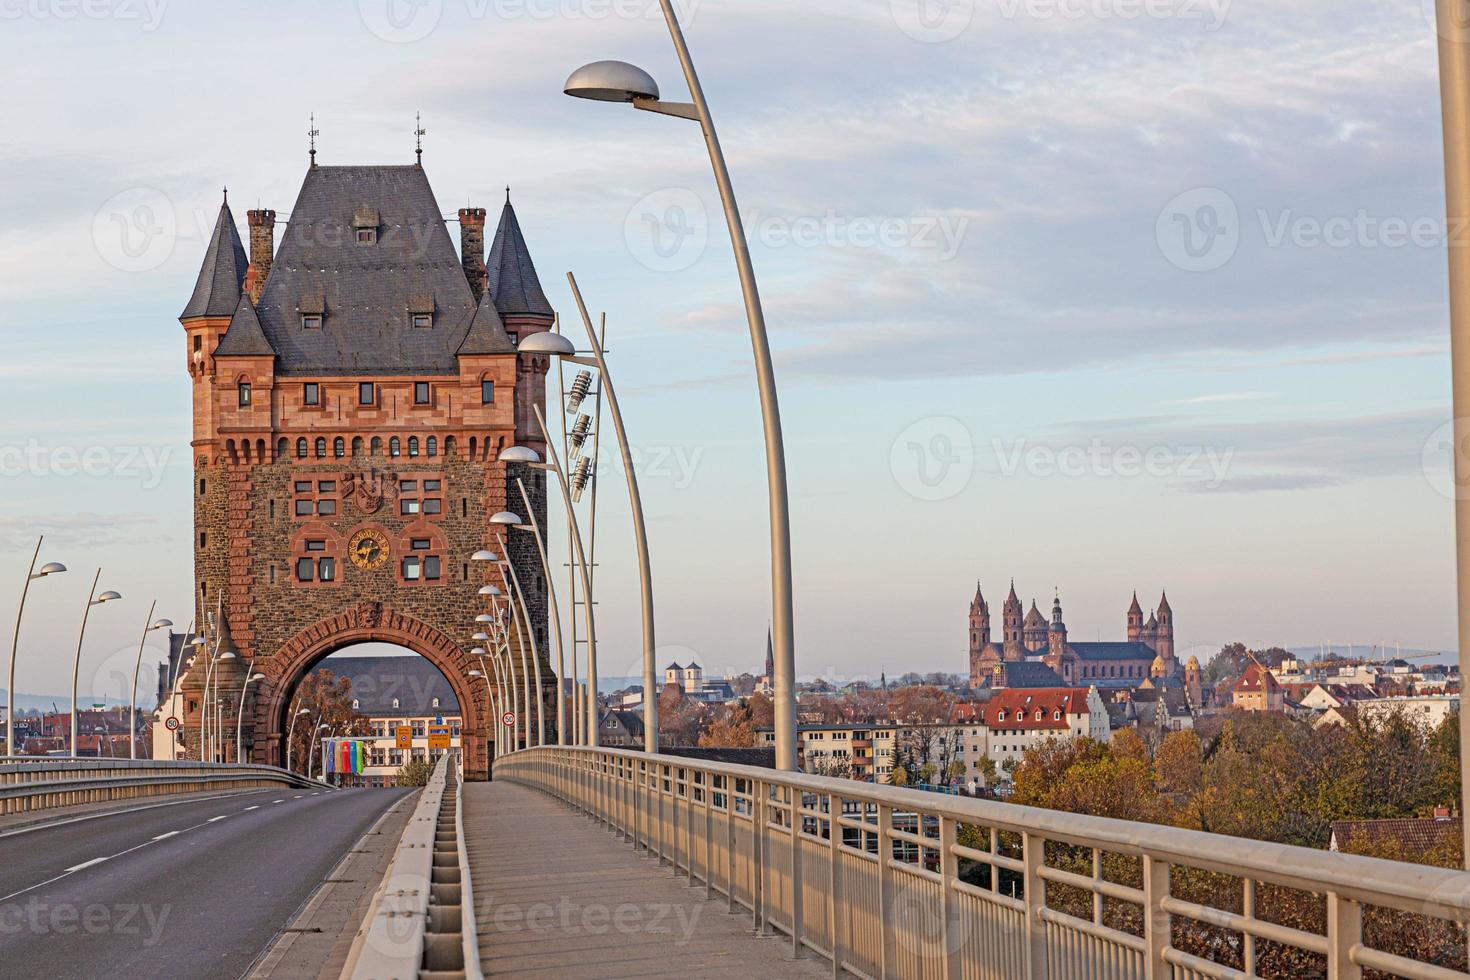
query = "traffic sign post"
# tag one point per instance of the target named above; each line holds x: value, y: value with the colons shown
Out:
x: 173, y: 724
x: 508, y: 719
x: 404, y: 734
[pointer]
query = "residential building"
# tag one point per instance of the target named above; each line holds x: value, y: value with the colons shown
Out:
x: 1258, y: 690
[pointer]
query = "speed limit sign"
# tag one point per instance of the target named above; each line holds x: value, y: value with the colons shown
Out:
x: 508, y: 719
x: 173, y: 724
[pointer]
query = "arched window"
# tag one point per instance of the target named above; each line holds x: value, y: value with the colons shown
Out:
x: 1040, y: 714
x: 282, y: 448
x: 472, y: 448
x: 395, y: 702
x: 300, y: 448
x: 449, y: 445
x: 1000, y: 715
x: 321, y: 447
x: 432, y: 445
x: 413, y: 446
x: 395, y: 448
x: 357, y: 445
x: 377, y: 446
x: 436, y: 703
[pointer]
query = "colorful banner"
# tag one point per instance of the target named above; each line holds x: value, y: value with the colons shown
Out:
x: 346, y: 755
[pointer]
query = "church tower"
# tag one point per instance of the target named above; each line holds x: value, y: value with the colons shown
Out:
x: 1135, y: 620
x: 1165, y: 642
x: 1033, y: 632
x: 1011, y: 615
x: 1193, y: 683
x: 979, y: 623
x: 1056, y: 635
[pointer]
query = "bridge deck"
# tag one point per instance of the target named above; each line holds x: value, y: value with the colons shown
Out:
x: 560, y: 896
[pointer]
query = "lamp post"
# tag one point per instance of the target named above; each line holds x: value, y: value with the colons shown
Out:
x: 211, y: 700
x: 311, y: 752
x: 198, y: 643
x: 50, y: 568
x: 291, y: 734
x: 555, y: 615
x: 502, y: 685
x: 640, y: 530
x: 93, y: 599
x: 614, y: 81
x: 148, y: 627
x: 508, y: 571
x: 521, y: 629
x: 553, y: 463
x: 486, y: 671
x: 508, y: 683
x: 240, y: 715
x: 490, y: 704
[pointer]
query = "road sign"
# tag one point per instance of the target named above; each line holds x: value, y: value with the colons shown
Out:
x: 438, y: 736
x: 404, y: 734
x: 173, y: 724
x: 508, y: 719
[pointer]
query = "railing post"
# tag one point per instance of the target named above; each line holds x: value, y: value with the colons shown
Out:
x: 886, y: 896
x: 949, y: 923
x: 1034, y: 855
x: 1156, y: 919
x: 1344, y: 933
x: 794, y: 798
x: 730, y: 783
x: 758, y: 854
x: 709, y: 836
x: 836, y: 910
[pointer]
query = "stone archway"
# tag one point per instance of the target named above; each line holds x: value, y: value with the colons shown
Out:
x: 368, y: 622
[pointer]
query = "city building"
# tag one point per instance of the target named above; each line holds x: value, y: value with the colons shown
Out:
x: 1031, y: 637
x: 392, y: 692
x: 691, y: 680
x: 1258, y: 690
x: 620, y: 729
x: 1017, y: 720
x: 1429, y: 710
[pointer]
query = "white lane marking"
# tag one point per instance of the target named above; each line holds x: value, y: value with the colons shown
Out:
x: 213, y: 819
x: 295, y: 797
x: 278, y: 801
x: 249, y: 808
x: 171, y: 833
x: 87, y: 864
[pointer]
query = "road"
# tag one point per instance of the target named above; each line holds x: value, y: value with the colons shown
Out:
x: 188, y: 890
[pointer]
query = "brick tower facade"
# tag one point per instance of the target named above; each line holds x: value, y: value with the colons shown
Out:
x: 353, y: 388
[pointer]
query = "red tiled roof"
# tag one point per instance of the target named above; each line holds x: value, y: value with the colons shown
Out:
x: 1415, y: 834
x: 1018, y: 707
x: 1257, y: 678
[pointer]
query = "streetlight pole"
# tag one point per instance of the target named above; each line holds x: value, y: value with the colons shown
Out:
x: 148, y: 627
x: 619, y: 82
x: 50, y: 568
x: 1453, y: 22
x: 553, y: 462
x: 291, y: 734
x: 640, y: 530
x: 535, y: 528
x: 240, y: 715
x: 512, y: 621
x: 93, y: 599
x: 513, y: 582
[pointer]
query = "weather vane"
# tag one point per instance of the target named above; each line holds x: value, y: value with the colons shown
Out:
x: 312, y: 134
x: 418, y: 137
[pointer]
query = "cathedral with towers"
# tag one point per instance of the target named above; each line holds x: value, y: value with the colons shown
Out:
x: 1034, y: 651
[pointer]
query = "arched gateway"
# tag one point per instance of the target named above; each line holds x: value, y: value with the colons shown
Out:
x: 352, y: 393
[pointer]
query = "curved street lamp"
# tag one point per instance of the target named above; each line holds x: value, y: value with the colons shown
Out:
x: 240, y: 715
x: 149, y: 625
x: 290, y: 734
x: 50, y: 568
x: 506, y: 519
x: 555, y: 615
x: 93, y: 599
x: 211, y: 699
x: 616, y: 81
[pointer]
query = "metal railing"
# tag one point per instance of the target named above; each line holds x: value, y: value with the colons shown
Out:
x: 421, y: 920
x: 889, y: 882
x: 34, y: 784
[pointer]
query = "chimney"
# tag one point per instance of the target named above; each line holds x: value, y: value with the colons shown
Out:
x: 262, y: 248
x: 472, y: 249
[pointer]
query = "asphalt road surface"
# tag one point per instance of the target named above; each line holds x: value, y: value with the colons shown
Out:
x: 188, y: 890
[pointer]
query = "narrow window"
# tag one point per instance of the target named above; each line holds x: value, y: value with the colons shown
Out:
x: 244, y: 394
x: 365, y: 392
x: 339, y: 447
x: 395, y: 448
x: 431, y: 567
x: 328, y: 569
x: 311, y: 393
x: 411, y: 568
x: 432, y: 446
x: 201, y: 488
x: 487, y: 392
x: 321, y: 447
x: 300, y: 448
x: 421, y: 393
x: 304, y: 569
x: 413, y: 446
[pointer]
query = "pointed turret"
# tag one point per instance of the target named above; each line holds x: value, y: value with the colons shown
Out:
x: 245, y: 337
x: 1135, y: 620
x: 1056, y: 612
x: 487, y: 333
x: 512, y: 275
x: 217, y: 290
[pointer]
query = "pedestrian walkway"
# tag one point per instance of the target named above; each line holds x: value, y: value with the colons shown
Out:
x: 558, y: 895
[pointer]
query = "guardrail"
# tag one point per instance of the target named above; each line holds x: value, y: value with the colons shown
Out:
x: 421, y: 921
x: 889, y: 882
x: 34, y: 784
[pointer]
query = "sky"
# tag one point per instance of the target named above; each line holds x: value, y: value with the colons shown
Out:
x: 1101, y: 295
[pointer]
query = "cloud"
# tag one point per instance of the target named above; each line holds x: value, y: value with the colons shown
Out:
x: 89, y: 529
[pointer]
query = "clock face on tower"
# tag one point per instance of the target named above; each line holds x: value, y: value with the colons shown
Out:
x: 368, y: 549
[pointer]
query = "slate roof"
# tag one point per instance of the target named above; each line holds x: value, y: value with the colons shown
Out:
x: 487, y: 334
x: 376, y: 681
x: 1031, y: 673
x: 1113, y: 651
x: 513, y: 280
x: 244, y: 338
x: 217, y: 291
x: 366, y: 290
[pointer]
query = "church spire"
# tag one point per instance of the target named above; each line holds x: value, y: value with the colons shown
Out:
x: 513, y: 282
x: 217, y: 290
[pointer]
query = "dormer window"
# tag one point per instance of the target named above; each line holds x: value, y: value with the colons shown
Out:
x: 365, y: 223
x: 423, y: 320
x: 367, y: 236
x: 311, y: 321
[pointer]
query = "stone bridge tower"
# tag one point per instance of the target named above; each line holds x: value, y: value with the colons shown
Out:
x: 352, y: 391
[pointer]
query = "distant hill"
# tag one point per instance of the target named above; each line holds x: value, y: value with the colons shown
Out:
x: 44, y: 702
x: 1370, y: 651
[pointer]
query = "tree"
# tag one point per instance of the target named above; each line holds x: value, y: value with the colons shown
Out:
x: 762, y: 711
x: 732, y: 726
x: 327, y: 699
x: 414, y: 772
x: 1179, y: 764
x: 680, y: 719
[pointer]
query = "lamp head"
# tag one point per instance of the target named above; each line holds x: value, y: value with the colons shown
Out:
x: 227, y: 655
x: 257, y: 677
x: 483, y: 555
x: 162, y: 624
x: 546, y: 342
x: 484, y: 618
x: 108, y: 596
x: 506, y: 517
x: 481, y: 637
x: 489, y: 590
x: 476, y: 672
x: 477, y: 652
x: 611, y: 81
x: 51, y: 568
x: 198, y: 641
x: 519, y: 454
